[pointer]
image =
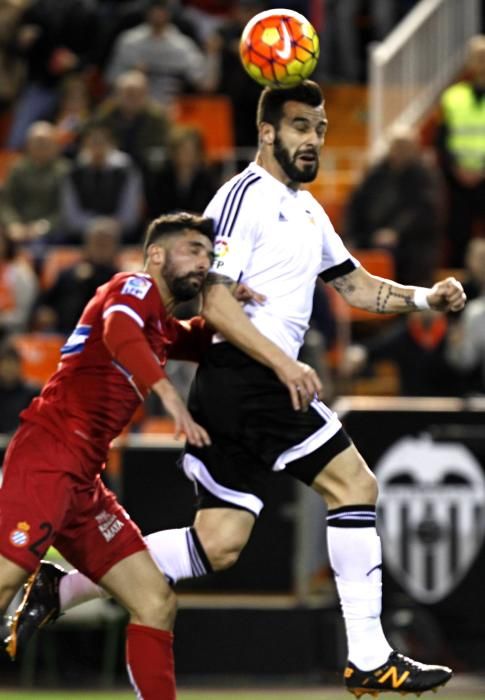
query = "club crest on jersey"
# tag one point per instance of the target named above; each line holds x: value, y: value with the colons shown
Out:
x: 20, y: 536
x: 136, y: 286
x: 431, y: 514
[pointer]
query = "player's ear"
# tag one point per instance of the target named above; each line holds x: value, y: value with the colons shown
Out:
x: 156, y: 253
x: 267, y: 134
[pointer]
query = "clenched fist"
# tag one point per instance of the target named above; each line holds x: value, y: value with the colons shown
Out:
x: 447, y: 295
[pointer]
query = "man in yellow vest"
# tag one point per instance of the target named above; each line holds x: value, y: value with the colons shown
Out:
x: 461, y: 144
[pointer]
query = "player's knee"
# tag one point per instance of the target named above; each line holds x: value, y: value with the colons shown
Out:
x: 157, y: 608
x: 223, y: 555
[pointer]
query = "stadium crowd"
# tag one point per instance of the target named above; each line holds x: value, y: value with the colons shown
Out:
x: 109, y: 116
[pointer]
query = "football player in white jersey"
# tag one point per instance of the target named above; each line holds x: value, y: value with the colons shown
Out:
x: 261, y: 406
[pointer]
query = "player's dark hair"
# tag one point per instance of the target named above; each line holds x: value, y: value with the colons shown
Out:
x: 271, y: 100
x: 171, y: 224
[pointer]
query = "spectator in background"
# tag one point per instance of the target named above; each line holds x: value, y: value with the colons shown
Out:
x: 140, y: 126
x: 15, y: 392
x: 53, y: 38
x: 466, y: 342
x: 342, y: 51
x: 30, y: 203
x: 474, y: 277
x: 59, y: 307
x: 171, y: 60
x: 234, y: 81
x: 103, y: 182
x: 73, y: 113
x: 12, y: 69
x: 186, y: 182
x: 461, y: 147
x: 417, y: 346
x: 207, y: 16
x: 18, y: 288
x: 397, y: 206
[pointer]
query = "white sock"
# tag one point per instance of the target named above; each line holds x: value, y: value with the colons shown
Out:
x: 177, y: 553
x: 76, y: 588
x: 355, y: 555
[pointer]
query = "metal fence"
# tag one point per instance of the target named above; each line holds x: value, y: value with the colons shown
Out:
x: 416, y: 61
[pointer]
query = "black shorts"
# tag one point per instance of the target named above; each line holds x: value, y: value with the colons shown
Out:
x: 254, y: 430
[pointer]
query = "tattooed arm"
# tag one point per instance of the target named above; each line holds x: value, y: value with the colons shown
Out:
x: 365, y: 291
x: 222, y: 311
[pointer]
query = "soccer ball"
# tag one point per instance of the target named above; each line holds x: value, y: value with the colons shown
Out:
x: 279, y: 48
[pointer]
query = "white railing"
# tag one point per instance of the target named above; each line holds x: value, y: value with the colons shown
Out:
x: 415, y: 62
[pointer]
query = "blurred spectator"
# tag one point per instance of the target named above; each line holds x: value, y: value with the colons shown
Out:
x: 12, y: 70
x: 461, y: 146
x: 474, y: 279
x: 72, y: 113
x: 138, y: 123
x: 54, y: 38
x: 235, y: 82
x: 171, y: 60
x: 417, y: 345
x: 18, y: 287
x: 103, y: 182
x: 207, y: 16
x: 397, y: 206
x: 15, y: 392
x: 342, y: 52
x: 186, y: 182
x: 466, y: 343
x: 30, y: 203
x: 60, y: 306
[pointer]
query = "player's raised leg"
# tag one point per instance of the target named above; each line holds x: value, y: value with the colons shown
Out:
x: 139, y: 586
x: 350, y: 490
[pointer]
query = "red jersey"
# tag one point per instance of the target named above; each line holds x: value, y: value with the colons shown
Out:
x: 92, y: 396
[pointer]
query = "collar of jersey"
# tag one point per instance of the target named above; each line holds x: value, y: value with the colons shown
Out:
x: 254, y: 167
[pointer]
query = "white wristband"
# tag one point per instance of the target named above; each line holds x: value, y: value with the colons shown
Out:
x: 421, y: 298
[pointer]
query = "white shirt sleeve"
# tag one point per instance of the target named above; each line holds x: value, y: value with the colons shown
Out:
x: 237, y: 230
x: 334, y: 252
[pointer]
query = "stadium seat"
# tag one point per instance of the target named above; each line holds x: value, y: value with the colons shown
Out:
x: 40, y: 354
x: 213, y: 116
x: 158, y: 425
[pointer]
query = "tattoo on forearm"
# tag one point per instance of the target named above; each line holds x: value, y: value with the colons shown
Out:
x: 215, y: 278
x: 387, y: 292
x: 344, y: 285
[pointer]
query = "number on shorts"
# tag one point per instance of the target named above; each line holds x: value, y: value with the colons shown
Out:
x: 36, y: 547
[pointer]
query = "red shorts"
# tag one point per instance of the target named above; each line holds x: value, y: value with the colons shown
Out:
x: 44, y: 500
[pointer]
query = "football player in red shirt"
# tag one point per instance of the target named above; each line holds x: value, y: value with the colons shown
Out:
x: 52, y: 492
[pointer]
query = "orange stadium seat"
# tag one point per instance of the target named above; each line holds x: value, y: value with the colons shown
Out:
x: 213, y: 116
x: 40, y: 354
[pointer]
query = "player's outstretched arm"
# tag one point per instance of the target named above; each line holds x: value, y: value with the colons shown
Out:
x: 222, y: 311
x: 365, y: 291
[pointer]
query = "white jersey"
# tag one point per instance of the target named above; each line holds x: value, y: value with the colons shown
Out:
x: 277, y: 241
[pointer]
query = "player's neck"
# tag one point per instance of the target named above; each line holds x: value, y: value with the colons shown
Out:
x: 167, y: 297
x: 271, y: 165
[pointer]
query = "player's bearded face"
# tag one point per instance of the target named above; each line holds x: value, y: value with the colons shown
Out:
x: 299, y: 166
x: 183, y: 286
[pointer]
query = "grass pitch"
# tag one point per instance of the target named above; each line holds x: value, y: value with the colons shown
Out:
x: 282, y: 694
